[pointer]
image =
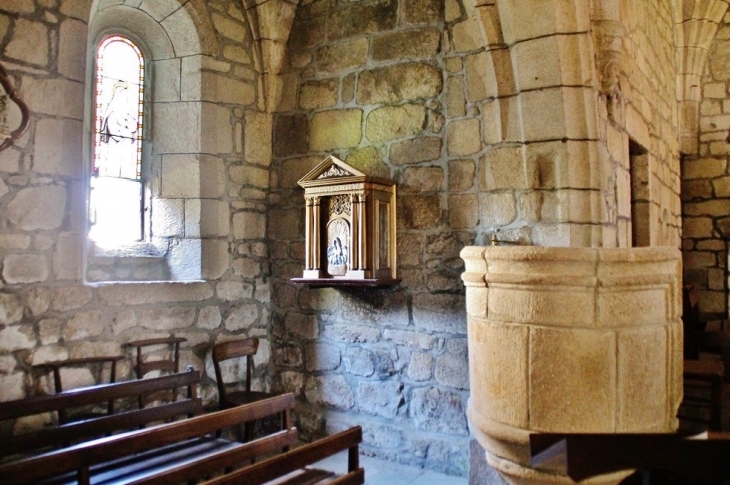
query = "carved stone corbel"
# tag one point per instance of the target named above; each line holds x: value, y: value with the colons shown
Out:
x: 608, y: 41
x: 7, y: 137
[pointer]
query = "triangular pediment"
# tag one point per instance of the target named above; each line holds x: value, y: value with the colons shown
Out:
x: 330, y: 168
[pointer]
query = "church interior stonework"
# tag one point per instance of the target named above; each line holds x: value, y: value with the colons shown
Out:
x: 573, y: 124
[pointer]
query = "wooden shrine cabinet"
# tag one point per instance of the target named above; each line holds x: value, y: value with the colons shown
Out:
x: 350, y: 227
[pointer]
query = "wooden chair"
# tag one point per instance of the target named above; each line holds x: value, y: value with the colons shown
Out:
x: 99, y: 362
x: 170, y: 364
x: 237, y: 349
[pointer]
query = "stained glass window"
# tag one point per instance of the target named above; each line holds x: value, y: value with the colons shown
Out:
x: 116, y: 182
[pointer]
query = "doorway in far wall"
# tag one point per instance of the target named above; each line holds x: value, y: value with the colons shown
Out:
x: 640, y: 201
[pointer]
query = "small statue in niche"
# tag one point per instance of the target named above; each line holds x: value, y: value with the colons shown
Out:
x: 337, y: 251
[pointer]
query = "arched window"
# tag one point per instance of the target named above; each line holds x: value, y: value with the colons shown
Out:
x: 117, y: 188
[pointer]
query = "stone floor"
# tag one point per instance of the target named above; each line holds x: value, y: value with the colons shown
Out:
x: 383, y: 472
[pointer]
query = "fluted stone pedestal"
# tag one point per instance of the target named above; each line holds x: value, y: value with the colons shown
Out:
x: 570, y: 340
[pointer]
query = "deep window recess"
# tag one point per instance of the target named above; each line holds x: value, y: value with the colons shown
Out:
x: 117, y: 189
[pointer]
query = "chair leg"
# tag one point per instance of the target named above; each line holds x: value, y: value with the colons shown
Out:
x: 716, y: 403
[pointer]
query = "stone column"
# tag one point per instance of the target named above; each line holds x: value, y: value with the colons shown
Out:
x: 570, y: 340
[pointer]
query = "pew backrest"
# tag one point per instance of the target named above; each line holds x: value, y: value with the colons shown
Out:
x: 64, y: 434
x: 182, y: 450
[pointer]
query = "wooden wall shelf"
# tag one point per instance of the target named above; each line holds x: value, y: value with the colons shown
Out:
x: 333, y: 283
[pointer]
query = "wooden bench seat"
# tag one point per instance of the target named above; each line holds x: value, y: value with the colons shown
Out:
x: 103, y: 394
x: 184, y: 450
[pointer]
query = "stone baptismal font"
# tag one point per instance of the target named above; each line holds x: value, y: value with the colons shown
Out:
x: 570, y: 340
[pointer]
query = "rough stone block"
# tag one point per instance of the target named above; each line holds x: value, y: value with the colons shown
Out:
x: 466, y: 35
x: 464, y: 137
x: 288, y: 356
x: 71, y: 297
x: 362, y: 19
x: 704, y: 168
x: 422, y: 11
x: 319, y: 94
x: 17, y: 337
x: 380, y: 398
x: 257, y: 136
x: 291, y: 135
x: 421, y: 149
x: 335, y: 129
x: 11, y: 308
x: 392, y: 122
x: 221, y: 89
x: 503, y: 168
x: 421, y: 179
x: 13, y: 386
x: 419, y: 212
x: 463, y: 211
x: 29, y: 43
x: 455, y: 100
x: 419, y: 367
x: 399, y: 83
x: 180, y: 176
x: 321, y: 357
x: 481, y: 78
x: 369, y: 161
x: 461, y: 175
x: 25, y: 268
x: 441, y: 313
x: 233, y: 290
x: 72, y: 49
x: 67, y: 257
x: 406, y: 45
x: 340, y: 57
x: 249, y: 225
x: 432, y: 409
x: 38, y: 207
x: 229, y: 28
x: 348, y: 333
x: 242, y: 317
x: 83, y: 325
x: 497, y: 209
x: 167, y: 318
x: 330, y: 391
x: 452, y: 368
x: 153, y: 293
x: 359, y: 362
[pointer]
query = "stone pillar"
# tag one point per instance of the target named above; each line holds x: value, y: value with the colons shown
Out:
x: 570, y: 340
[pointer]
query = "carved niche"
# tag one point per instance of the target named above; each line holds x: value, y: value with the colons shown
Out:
x: 350, y: 227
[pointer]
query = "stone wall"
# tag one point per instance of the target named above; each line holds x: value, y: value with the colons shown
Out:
x: 491, y: 119
x: 642, y: 108
x: 46, y: 310
x: 706, y: 183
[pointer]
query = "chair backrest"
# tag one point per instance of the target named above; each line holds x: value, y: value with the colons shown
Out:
x: 170, y: 364
x: 234, y: 349
x: 693, y: 326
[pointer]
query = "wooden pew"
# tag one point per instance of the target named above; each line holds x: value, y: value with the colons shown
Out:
x: 103, y: 394
x: 293, y: 463
x: 186, y: 450
x: 690, y: 460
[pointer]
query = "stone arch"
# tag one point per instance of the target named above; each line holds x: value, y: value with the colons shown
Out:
x: 181, y: 162
x: 270, y: 23
x: 697, y: 23
x: 548, y: 106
